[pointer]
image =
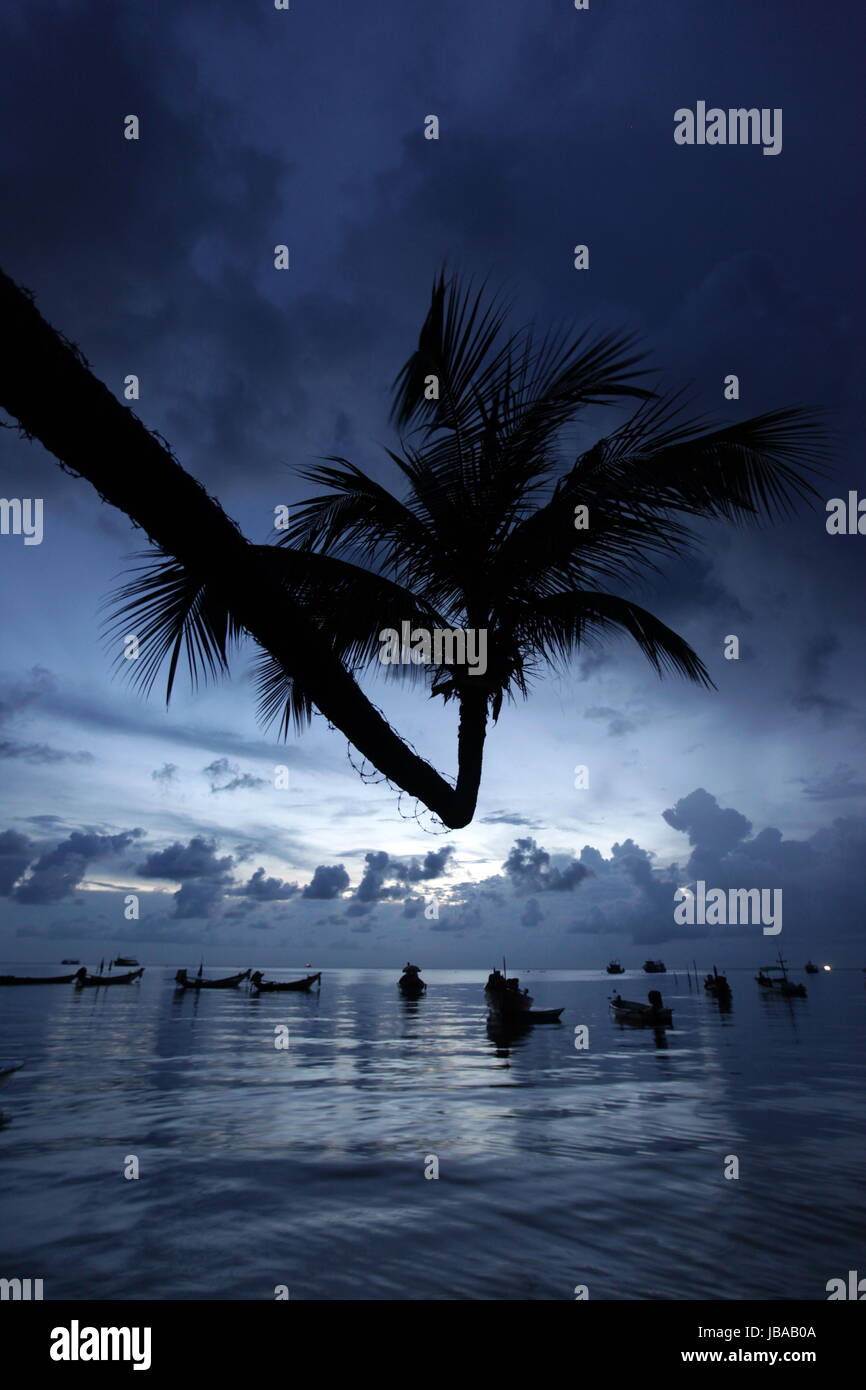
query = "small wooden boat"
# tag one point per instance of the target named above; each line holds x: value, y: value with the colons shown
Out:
x: 37, y: 979
x: 280, y: 986
x: 507, y: 1001
x: 183, y: 981
x: 125, y: 960
x: 717, y: 985
x: 651, y: 1015
x: 775, y: 977
x: 811, y: 968
x: 8, y: 1070
x: 410, y: 983
x: 614, y: 968
x: 655, y: 967
x: 84, y: 981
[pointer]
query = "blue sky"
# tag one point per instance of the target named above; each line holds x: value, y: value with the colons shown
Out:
x: 305, y: 127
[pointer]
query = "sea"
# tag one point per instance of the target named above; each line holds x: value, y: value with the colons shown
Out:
x: 348, y: 1144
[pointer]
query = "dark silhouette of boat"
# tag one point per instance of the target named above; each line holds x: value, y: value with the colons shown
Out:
x: 183, y: 981
x: 651, y: 1015
x: 75, y: 962
x: 125, y: 960
x: 614, y: 968
x: 282, y: 986
x: 655, y: 967
x: 717, y: 985
x: 410, y: 983
x: 83, y: 980
x: 37, y: 979
x: 506, y: 1000
x: 775, y: 978
x: 811, y: 968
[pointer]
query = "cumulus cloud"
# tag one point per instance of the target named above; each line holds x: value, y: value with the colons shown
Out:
x: 197, y: 859
x: 16, y: 851
x: 382, y: 867
x: 329, y: 881
x: 56, y: 873
x: 530, y: 870
x: 264, y: 889
x: 167, y: 773
x: 225, y: 776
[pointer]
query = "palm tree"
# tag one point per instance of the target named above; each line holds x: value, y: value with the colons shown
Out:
x: 482, y: 535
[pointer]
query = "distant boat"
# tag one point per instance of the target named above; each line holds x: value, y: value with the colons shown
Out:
x: 775, y: 978
x: 653, y: 1014
x: 410, y: 983
x: 717, y: 985
x: 655, y: 967
x: 83, y: 980
x: 183, y: 981
x: 508, y: 1002
x: 125, y: 960
x: 274, y: 986
x: 811, y: 968
x: 614, y: 968
x: 8, y: 1070
x: 37, y: 979
x: 74, y: 962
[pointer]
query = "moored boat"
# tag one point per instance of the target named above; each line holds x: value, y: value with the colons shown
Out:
x: 281, y: 986
x: 614, y: 968
x: 506, y: 1000
x: 717, y: 985
x: 653, y: 1014
x: 410, y: 983
x: 654, y: 967
x: 83, y: 980
x: 70, y: 961
x: 775, y: 978
x: 811, y: 968
x: 125, y: 960
x: 37, y: 979
x: 183, y: 981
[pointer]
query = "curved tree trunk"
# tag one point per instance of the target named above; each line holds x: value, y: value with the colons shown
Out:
x: 47, y: 386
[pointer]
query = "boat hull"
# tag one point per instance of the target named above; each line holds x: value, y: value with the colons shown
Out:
x: 641, y: 1015
x: 285, y: 986
x: 97, y: 981
x: 7, y: 1071
x: 36, y: 980
x: 230, y: 982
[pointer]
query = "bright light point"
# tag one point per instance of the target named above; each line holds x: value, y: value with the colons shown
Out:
x: 828, y: 967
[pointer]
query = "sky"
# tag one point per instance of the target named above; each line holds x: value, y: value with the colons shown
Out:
x: 305, y: 127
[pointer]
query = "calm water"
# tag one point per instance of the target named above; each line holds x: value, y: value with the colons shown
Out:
x: 305, y: 1166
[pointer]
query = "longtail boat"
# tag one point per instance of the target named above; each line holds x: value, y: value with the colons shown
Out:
x: 37, y: 979
x: 280, y: 986
x: 654, y: 967
x: 507, y: 1001
x: 775, y: 978
x: 614, y: 968
x: 183, y: 981
x: 8, y: 1070
x: 652, y: 1015
x: 410, y: 983
x: 84, y: 981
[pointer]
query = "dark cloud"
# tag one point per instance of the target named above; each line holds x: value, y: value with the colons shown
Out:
x: 510, y: 818
x: 167, y: 773
x: 838, y: 785
x: 264, y: 889
x: 530, y: 870
x: 712, y: 831
x: 197, y: 859
x: 40, y: 753
x: 532, y: 914
x: 57, y: 873
x: 225, y: 776
x: 382, y: 867
x: 329, y: 881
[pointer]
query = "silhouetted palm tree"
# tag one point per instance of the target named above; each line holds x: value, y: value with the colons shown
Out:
x: 482, y: 536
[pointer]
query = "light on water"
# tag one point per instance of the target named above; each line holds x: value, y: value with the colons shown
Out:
x: 352, y: 1144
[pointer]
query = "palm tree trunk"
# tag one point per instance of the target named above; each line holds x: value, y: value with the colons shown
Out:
x: 47, y: 386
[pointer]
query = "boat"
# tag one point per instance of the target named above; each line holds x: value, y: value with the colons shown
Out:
x: 37, y: 979
x: 506, y: 1000
x: 72, y: 962
x: 279, y: 986
x: 183, y: 981
x: 652, y: 1015
x: 125, y: 960
x: 83, y: 980
x: 410, y: 983
x: 655, y: 967
x: 811, y: 968
x: 614, y: 968
x: 8, y: 1070
x: 717, y: 985
x: 775, y: 978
